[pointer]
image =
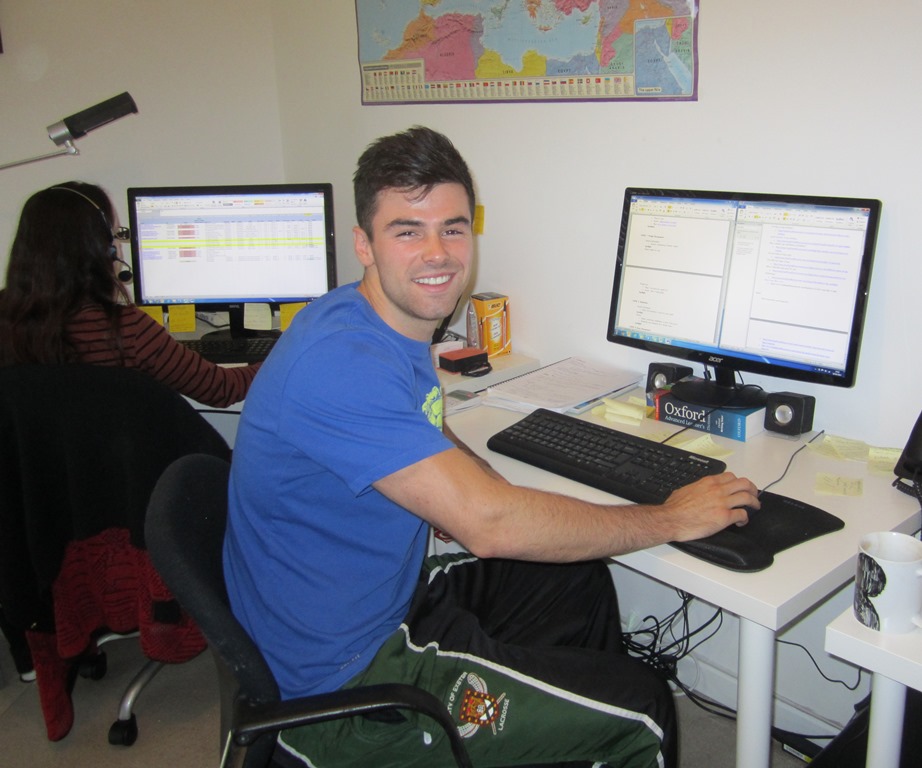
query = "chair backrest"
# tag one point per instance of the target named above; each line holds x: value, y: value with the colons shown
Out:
x: 185, y: 527
x: 81, y: 448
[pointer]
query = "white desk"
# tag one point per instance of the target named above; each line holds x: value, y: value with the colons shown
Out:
x: 765, y: 601
x: 896, y: 662
x: 504, y: 367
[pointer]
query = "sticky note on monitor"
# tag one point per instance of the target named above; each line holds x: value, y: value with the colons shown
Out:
x: 288, y: 311
x: 155, y: 311
x: 182, y: 318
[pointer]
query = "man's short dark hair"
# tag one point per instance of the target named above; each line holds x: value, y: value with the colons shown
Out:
x: 415, y: 160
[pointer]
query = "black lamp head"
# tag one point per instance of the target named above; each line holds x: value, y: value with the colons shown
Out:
x: 81, y: 123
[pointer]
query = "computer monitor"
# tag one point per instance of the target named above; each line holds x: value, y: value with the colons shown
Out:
x: 769, y: 284
x: 221, y: 247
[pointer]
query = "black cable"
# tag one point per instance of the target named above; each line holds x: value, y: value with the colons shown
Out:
x: 791, y: 460
x: 664, y: 658
x: 703, y: 417
x: 700, y: 420
x: 823, y: 674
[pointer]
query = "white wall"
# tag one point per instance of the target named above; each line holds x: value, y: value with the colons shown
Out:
x: 202, y: 74
x: 793, y: 97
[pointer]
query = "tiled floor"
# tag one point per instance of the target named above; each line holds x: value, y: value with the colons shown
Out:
x: 178, y: 721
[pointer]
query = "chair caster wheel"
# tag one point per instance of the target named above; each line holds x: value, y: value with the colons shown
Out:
x: 124, y: 733
x: 93, y: 667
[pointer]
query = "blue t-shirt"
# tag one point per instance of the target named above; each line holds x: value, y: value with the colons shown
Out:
x: 320, y: 567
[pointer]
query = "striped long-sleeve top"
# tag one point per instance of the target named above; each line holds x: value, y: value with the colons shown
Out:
x: 148, y: 346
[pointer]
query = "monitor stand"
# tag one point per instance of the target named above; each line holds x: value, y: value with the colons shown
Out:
x: 236, y: 329
x: 723, y: 391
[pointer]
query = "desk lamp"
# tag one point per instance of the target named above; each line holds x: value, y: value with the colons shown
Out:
x: 64, y: 132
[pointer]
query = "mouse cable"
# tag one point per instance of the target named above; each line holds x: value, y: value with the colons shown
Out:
x: 791, y: 460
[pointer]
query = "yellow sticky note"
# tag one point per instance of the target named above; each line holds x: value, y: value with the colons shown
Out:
x: 852, y: 450
x: 478, y: 219
x: 622, y: 418
x: 705, y: 445
x: 155, y: 311
x: 881, y: 461
x: 287, y: 313
x: 182, y: 318
x: 258, y: 317
x: 835, y: 485
x: 624, y: 409
x: 834, y: 447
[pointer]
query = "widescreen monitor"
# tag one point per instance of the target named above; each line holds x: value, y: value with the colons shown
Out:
x: 222, y: 247
x: 744, y: 282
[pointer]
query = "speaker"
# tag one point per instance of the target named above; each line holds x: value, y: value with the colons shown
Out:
x: 661, y: 375
x: 789, y: 413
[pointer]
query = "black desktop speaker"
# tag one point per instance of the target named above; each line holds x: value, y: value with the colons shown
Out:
x: 661, y: 375
x: 789, y: 413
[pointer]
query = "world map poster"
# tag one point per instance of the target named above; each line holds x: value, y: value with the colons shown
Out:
x: 413, y: 51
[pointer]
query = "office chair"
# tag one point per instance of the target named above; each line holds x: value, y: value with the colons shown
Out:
x: 185, y: 534
x: 81, y: 448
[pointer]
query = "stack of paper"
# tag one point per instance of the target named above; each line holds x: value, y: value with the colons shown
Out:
x: 573, y: 384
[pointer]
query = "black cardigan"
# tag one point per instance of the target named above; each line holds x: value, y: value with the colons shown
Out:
x: 81, y: 448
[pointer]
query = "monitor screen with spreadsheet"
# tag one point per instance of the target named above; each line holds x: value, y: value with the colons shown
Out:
x: 221, y: 247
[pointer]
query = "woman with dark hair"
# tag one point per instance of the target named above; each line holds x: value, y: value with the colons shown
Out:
x: 65, y: 300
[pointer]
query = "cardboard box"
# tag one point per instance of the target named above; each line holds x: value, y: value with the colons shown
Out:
x: 488, y: 323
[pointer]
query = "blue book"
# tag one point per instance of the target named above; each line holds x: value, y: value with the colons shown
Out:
x: 735, y: 423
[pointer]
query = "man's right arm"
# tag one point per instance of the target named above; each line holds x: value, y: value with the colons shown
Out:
x: 492, y: 518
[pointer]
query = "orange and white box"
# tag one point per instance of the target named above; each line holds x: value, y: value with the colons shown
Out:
x: 488, y: 323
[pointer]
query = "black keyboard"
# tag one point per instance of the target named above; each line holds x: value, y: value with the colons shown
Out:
x: 244, y: 350
x: 628, y: 466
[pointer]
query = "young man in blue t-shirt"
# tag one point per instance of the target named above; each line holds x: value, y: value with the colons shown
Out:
x: 342, y: 464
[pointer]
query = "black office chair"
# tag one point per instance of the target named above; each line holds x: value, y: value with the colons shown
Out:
x: 81, y: 448
x: 185, y: 534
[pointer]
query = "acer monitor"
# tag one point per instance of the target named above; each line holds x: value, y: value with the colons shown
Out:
x: 221, y: 247
x: 744, y: 282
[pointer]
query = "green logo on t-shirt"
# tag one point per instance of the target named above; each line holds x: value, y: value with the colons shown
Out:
x: 433, y: 407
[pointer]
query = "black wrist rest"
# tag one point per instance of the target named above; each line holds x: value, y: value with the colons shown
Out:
x: 781, y: 523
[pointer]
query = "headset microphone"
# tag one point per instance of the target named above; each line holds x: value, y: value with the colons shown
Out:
x: 124, y: 274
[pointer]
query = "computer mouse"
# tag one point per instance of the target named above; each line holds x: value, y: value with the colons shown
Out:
x: 750, y: 511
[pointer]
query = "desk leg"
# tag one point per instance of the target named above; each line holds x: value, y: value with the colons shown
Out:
x: 755, y: 689
x: 885, y: 729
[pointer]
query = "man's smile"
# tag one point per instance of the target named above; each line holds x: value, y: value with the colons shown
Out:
x: 438, y: 280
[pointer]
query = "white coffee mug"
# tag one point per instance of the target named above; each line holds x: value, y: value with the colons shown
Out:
x: 888, y: 582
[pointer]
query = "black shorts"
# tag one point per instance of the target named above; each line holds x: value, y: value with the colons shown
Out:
x: 529, y: 660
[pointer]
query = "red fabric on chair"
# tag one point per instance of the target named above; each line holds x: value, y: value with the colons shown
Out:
x: 53, y: 676
x: 105, y: 584
x: 81, y: 448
